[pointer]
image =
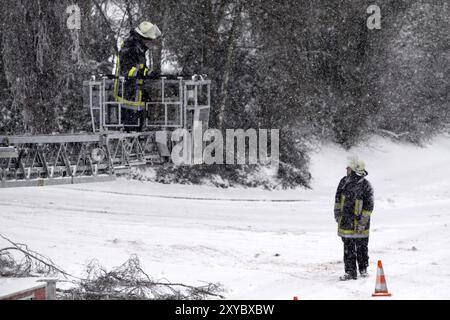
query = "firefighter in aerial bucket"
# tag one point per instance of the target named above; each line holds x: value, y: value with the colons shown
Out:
x: 132, y: 66
x: 353, y: 208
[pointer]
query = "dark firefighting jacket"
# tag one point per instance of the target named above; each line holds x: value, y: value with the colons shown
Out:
x: 131, y: 65
x: 353, y: 206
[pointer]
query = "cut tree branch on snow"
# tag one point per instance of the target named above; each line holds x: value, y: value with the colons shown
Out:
x: 26, y: 267
x: 130, y: 282
x: 126, y: 282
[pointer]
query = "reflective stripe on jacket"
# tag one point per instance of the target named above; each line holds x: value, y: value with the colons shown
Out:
x: 354, y: 204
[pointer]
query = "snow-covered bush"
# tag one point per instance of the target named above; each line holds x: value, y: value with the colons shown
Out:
x: 251, y: 176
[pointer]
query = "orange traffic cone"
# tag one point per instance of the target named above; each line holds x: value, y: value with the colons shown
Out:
x: 380, y: 286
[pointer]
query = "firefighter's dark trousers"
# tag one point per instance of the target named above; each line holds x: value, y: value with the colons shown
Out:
x: 355, y: 252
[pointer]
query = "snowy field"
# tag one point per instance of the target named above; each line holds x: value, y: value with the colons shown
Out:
x: 258, y: 244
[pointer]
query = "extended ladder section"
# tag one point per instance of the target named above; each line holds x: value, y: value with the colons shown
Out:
x: 53, y: 159
x: 112, y: 147
x: 69, y: 159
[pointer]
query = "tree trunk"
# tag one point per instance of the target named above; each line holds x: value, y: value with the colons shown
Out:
x: 232, y: 39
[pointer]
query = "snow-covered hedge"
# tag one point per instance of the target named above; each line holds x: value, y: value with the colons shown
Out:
x: 252, y: 176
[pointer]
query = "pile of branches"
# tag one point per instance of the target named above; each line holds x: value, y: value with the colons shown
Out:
x: 18, y: 261
x: 130, y: 282
x: 126, y: 282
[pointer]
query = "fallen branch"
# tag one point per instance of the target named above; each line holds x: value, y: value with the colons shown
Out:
x: 126, y: 282
x: 27, y: 267
x: 130, y: 282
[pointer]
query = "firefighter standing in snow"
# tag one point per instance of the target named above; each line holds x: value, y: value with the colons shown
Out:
x: 353, y: 208
x: 131, y: 64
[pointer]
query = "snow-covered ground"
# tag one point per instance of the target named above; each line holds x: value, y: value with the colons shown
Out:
x: 257, y: 248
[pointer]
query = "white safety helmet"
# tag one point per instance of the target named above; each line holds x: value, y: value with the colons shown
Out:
x: 148, y: 30
x: 357, y: 165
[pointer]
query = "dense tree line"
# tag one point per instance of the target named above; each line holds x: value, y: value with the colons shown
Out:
x: 311, y: 68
